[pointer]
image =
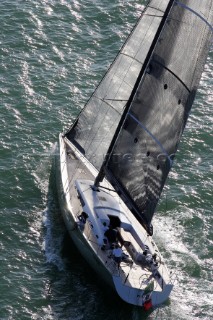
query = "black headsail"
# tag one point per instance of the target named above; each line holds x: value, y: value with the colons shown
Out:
x: 143, y: 148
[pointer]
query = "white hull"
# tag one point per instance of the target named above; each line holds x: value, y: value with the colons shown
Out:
x: 135, y: 282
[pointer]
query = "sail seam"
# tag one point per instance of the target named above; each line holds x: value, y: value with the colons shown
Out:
x: 153, y: 15
x: 111, y: 106
x: 196, y: 13
x: 152, y: 136
x: 133, y: 58
x: 174, y: 74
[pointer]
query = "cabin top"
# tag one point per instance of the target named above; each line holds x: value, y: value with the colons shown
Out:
x: 102, y: 208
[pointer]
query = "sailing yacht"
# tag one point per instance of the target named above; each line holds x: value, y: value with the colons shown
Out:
x: 115, y: 158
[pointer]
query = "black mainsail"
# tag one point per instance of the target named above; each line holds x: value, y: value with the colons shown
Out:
x: 149, y: 91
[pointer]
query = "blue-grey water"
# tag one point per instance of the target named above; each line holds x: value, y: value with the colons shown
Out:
x: 52, y: 55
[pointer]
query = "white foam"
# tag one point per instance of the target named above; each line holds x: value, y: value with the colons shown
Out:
x: 53, y: 240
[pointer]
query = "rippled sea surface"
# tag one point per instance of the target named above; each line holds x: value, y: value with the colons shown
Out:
x: 52, y: 55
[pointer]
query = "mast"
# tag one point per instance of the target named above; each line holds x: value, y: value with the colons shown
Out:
x: 101, y: 173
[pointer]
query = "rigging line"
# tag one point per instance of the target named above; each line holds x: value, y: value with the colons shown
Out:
x: 114, y: 99
x: 195, y: 12
x: 105, y: 100
x: 153, y: 137
x: 170, y: 71
x: 106, y: 188
x: 110, y: 99
x: 153, y: 15
x: 155, y: 9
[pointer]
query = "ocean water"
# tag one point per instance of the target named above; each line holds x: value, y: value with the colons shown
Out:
x: 52, y: 56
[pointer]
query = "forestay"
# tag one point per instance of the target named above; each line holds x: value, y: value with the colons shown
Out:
x: 159, y: 106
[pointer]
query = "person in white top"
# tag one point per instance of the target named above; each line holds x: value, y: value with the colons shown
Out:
x: 117, y: 254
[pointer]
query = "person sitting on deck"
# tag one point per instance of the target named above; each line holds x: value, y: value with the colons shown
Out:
x: 111, y: 235
x: 117, y: 254
x: 82, y: 219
